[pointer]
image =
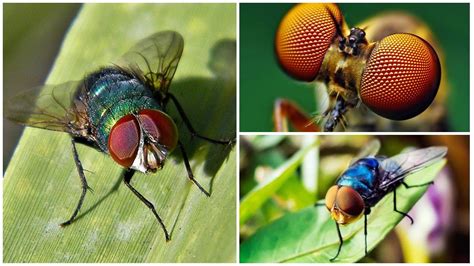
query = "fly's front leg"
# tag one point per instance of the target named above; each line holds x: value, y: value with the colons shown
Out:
x: 190, y: 127
x: 126, y: 179
x: 84, y: 185
x: 341, y: 241
x: 336, y: 115
x: 285, y: 110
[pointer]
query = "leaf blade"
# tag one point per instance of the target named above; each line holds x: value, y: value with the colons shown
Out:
x: 310, y: 235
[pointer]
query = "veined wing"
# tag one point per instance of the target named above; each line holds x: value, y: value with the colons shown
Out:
x: 369, y: 150
x: 156, y: 57
x: 47, y: 107
x: 401, y: 165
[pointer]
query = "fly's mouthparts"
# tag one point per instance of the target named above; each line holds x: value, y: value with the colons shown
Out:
x: 155, y: 157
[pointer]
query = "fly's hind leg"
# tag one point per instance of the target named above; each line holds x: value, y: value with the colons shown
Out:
x: 84, y: 185
x: 395, y: 207
x: 191, y: 128
x: 419, y: 185
x: 407, y: 186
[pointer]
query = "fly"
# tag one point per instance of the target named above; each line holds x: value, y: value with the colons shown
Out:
x: 395, y: 77
x: 369, y: 178
x: 119, y: 110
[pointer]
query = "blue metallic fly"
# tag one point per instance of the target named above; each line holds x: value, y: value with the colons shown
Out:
x: 368, y: 179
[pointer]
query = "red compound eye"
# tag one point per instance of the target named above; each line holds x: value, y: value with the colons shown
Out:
x: 124, y: 140
x: 401, y: 78
x: 304, y: 36
x: 160, y: 126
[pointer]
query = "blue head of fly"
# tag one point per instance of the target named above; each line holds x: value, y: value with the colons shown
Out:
x: 367, y: 180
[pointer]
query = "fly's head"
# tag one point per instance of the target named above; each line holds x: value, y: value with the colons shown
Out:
x: 142, y: 141
x: 354, y: 42
x: 396, y: 77
x: 344, y: 203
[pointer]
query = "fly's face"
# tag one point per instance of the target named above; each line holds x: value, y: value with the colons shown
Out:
x: 142, y: 141
x: 396, y: 77
x: 344, y: 203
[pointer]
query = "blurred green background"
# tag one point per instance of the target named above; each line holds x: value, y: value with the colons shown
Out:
x: 262, y: 81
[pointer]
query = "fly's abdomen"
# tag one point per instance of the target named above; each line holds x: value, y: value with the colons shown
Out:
x: 110, y: 94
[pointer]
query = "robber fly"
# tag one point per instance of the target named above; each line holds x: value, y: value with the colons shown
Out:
x: 368, y: 73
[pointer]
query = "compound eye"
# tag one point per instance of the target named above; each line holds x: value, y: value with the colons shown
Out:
x: 304, y: 36
x: 401, y: 78
x: 350, y: 202
x: 330, y: 198
x: 160, y: 126
x: 124, y: 140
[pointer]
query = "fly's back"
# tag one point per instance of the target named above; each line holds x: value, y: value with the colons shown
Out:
x: 110, y: 94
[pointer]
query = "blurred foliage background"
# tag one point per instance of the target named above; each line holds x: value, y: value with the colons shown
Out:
x: 262, y: 81
x: 442, y: 238
x: 32, y: 36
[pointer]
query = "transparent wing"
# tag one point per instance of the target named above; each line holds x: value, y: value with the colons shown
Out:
x: 47, y: 107
x: 369, y: 150
x: 156, y: 57
x: 405, y: 163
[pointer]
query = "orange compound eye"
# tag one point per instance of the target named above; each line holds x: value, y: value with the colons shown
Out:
x: 330, y: 198
x: 401, y: 78
x: 304, y: 36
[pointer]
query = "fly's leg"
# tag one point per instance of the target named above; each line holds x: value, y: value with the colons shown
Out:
x: 284, y: 111
x: 84, y: 185
x: 395, y: 206
x: 190, y: 127
x: 188, y: 169
x: 319, y: 204
x: 126, y: 179
x: 419, y: 185
x: 336, y: 115
x: 406, y: 186
x: 341, y: 241
x: 365, y: 232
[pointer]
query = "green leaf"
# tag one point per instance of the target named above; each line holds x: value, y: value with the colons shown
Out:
x: 41, y: 184
x: 310, y: 235
x: 255, y: 198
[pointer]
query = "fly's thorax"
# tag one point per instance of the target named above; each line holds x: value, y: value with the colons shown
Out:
x: 342, y: 72
x: 108, y: 95
x: 143, y: 140
x: 344, y: 203
x: 362, y: 176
